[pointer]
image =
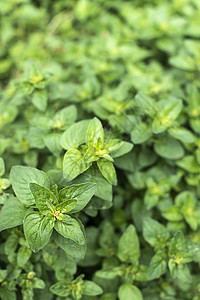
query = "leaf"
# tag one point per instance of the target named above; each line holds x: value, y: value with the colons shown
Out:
x: 91, y: 288
x: 66, y: 116
x: 47, y: 224
x: 172, y: 214
x: 52, y: 141
x: 66, y: 206
x: 158, y: 265
x: 95, y: 133
x: 23, y: 255
x: 41, y: 196
x: 103, y: 188
x: 189, y: 164
x: 6, y: 294
x: 154, y: 233
x: 20, y: 177
x: 35, y: 137
x: 169, y: 148
x: 177, y: 244
x: 39, y: 99
x: 32, y: 230
x: 107, y: 170
x: 82, y: 193
x: 109, y: 273
x: 12, y: 213
x: 112, y: 145
x: 146, y: 104
x: 182, y: 134
x: 123, y: 148
x: 3, y: 275
x: 61, y: 288
x: 38, y: 283
x: 73, y: 250
x: 74, y: 136
x: 2, y: 166
x: 169, y: 111
x: 129, y: 292
x: 4, y: 183
x: 4, y: 143
x: 74, y: 164
x: 129, y: 247
x: 182, y: 61
x: 69, y: 228
x: 141, y: 133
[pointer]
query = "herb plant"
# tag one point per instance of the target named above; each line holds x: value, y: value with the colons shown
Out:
x: 99, y: 150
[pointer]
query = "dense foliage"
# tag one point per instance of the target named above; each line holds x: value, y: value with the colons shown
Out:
x: 100, y: 150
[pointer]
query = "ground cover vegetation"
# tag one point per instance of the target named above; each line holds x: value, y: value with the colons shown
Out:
x: 100, y: 150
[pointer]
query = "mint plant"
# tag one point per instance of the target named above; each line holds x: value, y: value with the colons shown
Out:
x: 52, y: 207
x: 99, y: 150
x: 95, y: 149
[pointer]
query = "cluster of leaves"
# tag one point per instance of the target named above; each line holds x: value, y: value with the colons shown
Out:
x: 100, y: 150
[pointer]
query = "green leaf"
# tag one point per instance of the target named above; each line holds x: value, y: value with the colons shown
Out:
x: 177, y: 245
x: 6, y: 294
x: 172, y: 214
x: 39, y: 99
x: 4, y: 143
x: 169, y: 111
x: 129, y: 292
x: 186, y: 204
x: 2, y: 166
x: 8, y: 114
x: 61, y: 288
x: 107, y: 170
x: 69, y: 228
x: 41, y: 196
x: 23, y: 255
x: 65, y: 116
x: 74, y: 136
x: 154, y: 233
x: 158, y: 265
x: 66, y: 206
x: 182, y: 134
x: 12, y: 213
x: 74, y: 164
x: 169, y: 148
x: 82, y: 193
x: 54, y: 190
x: 35, y: 137
x: 47, y: 224
x: 20, y: 177
x: 4, y: 183
x: 3, y: 274
x: 141, y: 133
x: 33, y: 223
x: 95, y: 134
x: 109, y: 273
x: 103, y: 187
x: 38, y: 283
x: 112, y: 145
x: 189, y: 164
x: 129, y: 247
x: 146, y: 104
x: 91, y: 288
x: 52, y: 141
x: 183, y: 61
x: 73, y: 250
x: 123, y: 148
